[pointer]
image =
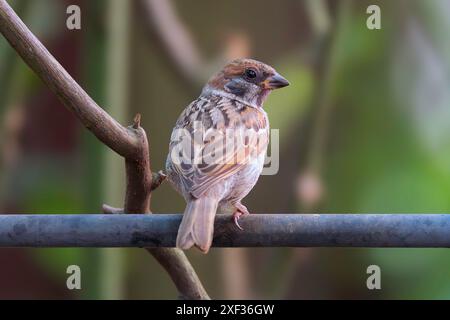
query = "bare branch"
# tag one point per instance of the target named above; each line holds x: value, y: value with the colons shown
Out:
x: 138, y: 177
x: 157, y: 179
x: 33, y: 52
x: 111, y: 210
x: 130, y: 142
x: 137, y: 121
x: 181, y: 273
x: 165, y: 26
x: 175, y: 37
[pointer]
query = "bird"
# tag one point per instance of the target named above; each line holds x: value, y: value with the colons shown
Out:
x: 218, y: 146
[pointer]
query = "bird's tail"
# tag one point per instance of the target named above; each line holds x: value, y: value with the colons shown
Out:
x: 197, y: 226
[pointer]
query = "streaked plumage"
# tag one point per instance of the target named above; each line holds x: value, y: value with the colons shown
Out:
x: 226, y: 132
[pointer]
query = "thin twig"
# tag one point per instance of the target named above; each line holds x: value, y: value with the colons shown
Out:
x: 164, y: 25
x: 327, y: 32
x: 157, y: 179
x: 111, y: 210
x: 175, y: 38
x: 129, y: 142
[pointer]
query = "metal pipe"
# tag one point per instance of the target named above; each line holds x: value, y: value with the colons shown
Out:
x: 260, y: 230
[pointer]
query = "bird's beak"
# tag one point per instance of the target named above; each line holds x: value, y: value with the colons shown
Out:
x: 275, y: 82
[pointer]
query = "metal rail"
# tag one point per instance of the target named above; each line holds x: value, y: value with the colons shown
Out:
x: 260, y: 230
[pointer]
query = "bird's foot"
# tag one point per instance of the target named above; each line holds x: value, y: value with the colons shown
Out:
x: 241, y: 210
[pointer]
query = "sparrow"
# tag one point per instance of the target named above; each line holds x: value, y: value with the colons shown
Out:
x: 218, y: 146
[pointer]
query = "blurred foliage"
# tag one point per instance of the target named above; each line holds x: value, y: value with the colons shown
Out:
x: 386, y: 146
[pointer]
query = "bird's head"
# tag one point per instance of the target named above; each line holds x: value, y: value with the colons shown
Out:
x: 246, y: 80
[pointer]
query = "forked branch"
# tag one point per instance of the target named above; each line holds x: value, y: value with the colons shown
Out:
x: 129, y: 142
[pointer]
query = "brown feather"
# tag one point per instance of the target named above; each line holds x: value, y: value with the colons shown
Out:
x: 197, y: 226
x: 229, y: 110
x: 197, y: 178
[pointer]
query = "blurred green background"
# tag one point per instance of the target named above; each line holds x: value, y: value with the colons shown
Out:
x: 364, y: 127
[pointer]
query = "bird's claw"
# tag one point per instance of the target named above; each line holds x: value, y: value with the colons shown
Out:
x: 236, y: 218
x: 241, y: 210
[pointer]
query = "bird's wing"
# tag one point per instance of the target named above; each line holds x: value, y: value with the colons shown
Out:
x: 215, y: 139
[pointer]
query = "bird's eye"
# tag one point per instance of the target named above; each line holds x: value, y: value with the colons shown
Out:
x: 250, y: 73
